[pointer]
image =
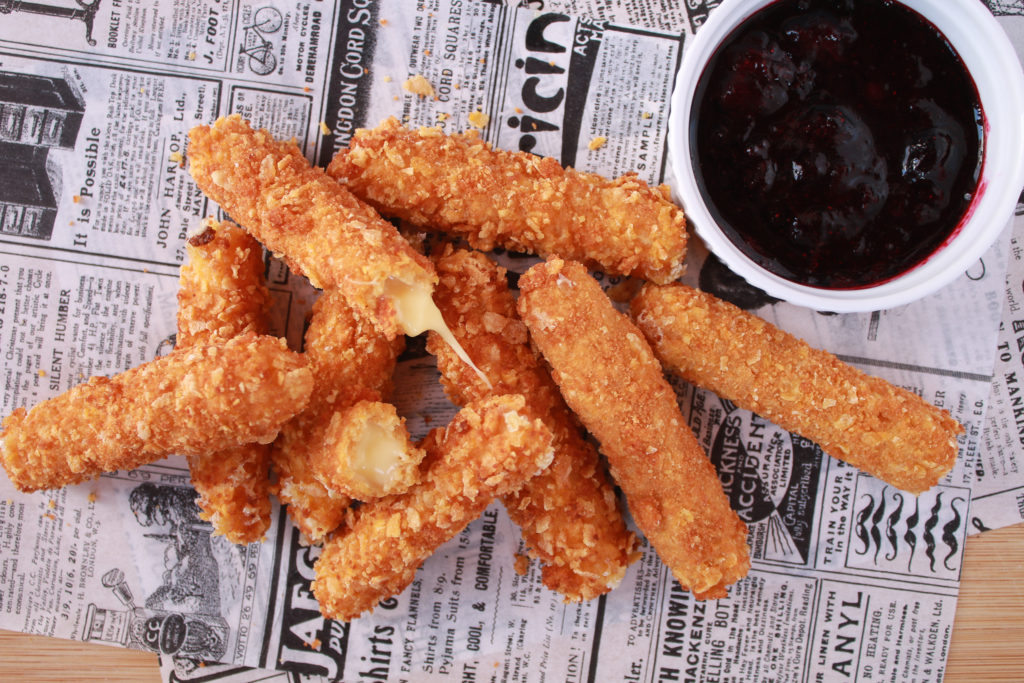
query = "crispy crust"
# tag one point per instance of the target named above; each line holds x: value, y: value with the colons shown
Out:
x: 296, y: 211
x: 335, y: 459
x: 489, y: 449
x: 199, y: 400
x: 351, y: 361
x: 223, y: 295
x: 568, y: 513
x: 887, y: 431
x: 609, y: 376
x: 459, y: 184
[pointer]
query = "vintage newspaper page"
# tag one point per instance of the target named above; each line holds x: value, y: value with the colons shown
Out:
x: 850, y: 577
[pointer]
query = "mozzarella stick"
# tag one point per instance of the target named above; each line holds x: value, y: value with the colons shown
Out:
x: 881, y: 429
x: 199, y: 400
x: 366, y: 452
x: 222, y: 295
x: 350, y: 361
x: 315, y: 224
x: 461, y: 185
x: 489, y: 449
x: 568, y: 513
x: 609, y: 376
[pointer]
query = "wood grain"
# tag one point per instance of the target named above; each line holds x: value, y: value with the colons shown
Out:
x: 986, y: 646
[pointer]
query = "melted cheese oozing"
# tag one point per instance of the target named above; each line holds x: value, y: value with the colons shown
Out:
x: 416, y: 312
x: 376, y: 455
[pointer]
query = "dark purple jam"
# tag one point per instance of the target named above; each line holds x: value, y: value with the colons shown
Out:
x: 838, y: 142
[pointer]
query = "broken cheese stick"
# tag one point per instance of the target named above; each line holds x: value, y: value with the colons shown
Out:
x: 568, y: 514
x: 200, y: 400
x: 366, y: 452
x: 318, y: 227
x: 489, y: 449
x: 350, y: 361
x: 461, y: 185
x: 222, y: 295
x: 610, y: 378
x: 882, y: 429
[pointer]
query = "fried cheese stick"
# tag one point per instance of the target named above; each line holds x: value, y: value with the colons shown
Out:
x: 568, y: 513
x: 222, y: 294
x: 199, y: 400
x: 366, y: 452
x: 884, y: 430
x: 350, y: 361
x: 460, y: 184
x: 315, y: 224
x: 609, y: 376
x: 489, y: 449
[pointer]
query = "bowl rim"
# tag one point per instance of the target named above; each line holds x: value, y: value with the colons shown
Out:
x: 972, y: 30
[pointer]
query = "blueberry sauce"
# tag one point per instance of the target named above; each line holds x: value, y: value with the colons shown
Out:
x: 838, y: 143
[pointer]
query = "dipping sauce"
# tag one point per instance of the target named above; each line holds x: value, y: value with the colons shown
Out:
x: 838, y: 142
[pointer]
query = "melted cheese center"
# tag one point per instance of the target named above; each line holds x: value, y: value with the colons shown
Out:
x: 416, y: 312
x: 377, y: 453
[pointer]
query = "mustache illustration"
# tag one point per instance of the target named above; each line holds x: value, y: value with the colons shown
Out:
x: 872, y: 524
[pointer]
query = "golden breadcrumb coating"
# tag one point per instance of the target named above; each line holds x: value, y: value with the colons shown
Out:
x: 884, y: 430
x: 459, y: 184
x: 222, y: 292
x: 609, y: 376
x: 366, y: 453
x: 199, y: 400
x: 351, y: 361
x: 222, y: 295
x: 300, y: 214
x: 568, y: 513
x: 489, y: 449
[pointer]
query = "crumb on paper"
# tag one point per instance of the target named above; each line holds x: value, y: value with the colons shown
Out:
x: 52, y: 503
x: 76, y: 199
x: 419, y: 85
x: 176, y: 158
x: 478, y: 119
x: 442, y: 116
x: 383, y: 22
x: 387, y: 79
x: 519, y: 110
x: 306, y: 88
x: 597, y: 142
x: 647, y: 115
x: 395, y: 98
x: 522, y: 564
x: 91, y: 497
x: 41, y: 372
x: 324, y: 129
x: 427, y: 52
x: 191, y: 56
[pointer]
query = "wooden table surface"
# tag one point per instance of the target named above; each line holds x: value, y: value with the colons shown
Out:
x: 988, y: 636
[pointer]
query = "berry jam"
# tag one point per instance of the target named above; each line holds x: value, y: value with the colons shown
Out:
x: 838, y: 142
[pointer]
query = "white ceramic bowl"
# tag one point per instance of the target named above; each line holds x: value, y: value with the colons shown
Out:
x: 993, y: 64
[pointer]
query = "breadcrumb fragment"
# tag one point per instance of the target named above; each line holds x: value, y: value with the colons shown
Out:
x: 419, y: 85
x: 478, y: 119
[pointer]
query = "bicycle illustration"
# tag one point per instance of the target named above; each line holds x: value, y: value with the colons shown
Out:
x: 259, y: 50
